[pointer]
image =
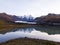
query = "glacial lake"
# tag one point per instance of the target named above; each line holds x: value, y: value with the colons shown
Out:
x: 51, y: 33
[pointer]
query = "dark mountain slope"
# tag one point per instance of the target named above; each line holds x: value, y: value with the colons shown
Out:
x: 50, y: 19
x: 6, y: 17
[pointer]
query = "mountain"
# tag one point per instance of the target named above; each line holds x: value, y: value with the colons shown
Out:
x: 50, y: 19
x: 6, y: 17
x: 16, y: 18
x: 23, y: 18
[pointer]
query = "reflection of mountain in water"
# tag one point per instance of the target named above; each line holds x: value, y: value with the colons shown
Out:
x: 49, y: 29
x: 18, y: 29
x: 24, y: 29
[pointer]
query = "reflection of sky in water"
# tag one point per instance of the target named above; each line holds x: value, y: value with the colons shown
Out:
x: 29, y: 34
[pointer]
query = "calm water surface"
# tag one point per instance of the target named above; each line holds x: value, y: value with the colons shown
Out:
x: 51, y: 33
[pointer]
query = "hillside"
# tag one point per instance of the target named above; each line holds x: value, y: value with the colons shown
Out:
x: 6, y: 17
x: 50, y: 19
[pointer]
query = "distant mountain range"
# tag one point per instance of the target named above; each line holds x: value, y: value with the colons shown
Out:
x: 6, y: 18
x: 23, y: 18
x: 50, y: 19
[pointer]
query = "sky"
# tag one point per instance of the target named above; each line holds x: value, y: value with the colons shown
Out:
x: 30, y: 7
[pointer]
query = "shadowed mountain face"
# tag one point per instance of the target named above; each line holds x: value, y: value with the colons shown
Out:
x: 6, y: 17
x: 49, y: 19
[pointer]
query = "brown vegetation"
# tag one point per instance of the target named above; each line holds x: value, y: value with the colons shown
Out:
x: 49, y: 19
x: 27, y: 41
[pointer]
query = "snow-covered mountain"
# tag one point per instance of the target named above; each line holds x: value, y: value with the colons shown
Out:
x: 24, y: 18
